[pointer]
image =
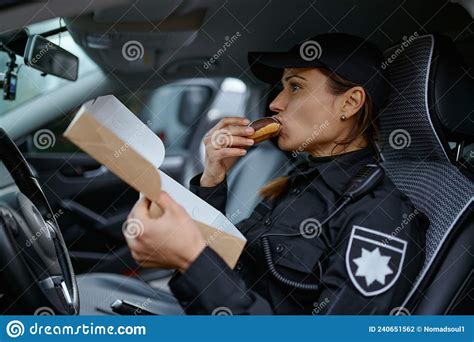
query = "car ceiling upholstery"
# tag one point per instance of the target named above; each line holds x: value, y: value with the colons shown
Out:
x: 262, y: 24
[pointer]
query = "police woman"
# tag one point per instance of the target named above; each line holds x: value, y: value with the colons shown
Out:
x: 361, y: 261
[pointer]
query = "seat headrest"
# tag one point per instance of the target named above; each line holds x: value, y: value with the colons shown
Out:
x: 451, y: 92
x: 431, y: 102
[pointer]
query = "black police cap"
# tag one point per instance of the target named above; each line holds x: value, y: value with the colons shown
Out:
x: 351, y: 57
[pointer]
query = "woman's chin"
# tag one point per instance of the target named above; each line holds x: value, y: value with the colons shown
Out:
x: 283, y: 143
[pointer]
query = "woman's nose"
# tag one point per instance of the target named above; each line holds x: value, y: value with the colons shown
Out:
x: 278, y: 104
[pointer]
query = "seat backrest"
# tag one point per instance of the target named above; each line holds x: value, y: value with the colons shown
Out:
x: 430, y: 102
x: 261, y: 164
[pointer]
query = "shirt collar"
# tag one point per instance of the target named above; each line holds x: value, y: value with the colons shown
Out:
x: 336, y: 171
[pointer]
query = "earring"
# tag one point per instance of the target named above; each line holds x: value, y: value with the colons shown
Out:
x: 343, y: 117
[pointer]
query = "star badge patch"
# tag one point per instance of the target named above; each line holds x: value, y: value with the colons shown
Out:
x: 374, y: 260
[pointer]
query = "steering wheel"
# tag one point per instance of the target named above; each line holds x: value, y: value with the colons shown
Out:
x: 35, y: 267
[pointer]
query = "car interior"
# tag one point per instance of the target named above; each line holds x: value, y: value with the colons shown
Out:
x: 192, y: 72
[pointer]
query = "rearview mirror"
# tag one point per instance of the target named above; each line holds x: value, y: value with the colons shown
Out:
x: 50, y: 58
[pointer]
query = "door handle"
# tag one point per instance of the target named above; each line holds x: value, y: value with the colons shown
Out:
x: 100, y: 171
x: 78, y: 172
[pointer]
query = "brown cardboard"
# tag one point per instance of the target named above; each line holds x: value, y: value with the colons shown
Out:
x: 102, y: 142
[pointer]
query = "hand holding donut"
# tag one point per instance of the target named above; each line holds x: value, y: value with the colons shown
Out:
x: 224, y: 144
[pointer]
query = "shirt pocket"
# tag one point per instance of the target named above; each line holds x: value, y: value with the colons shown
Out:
x: 250, y: 222
x: 245, y: 225
x: 298, y: 258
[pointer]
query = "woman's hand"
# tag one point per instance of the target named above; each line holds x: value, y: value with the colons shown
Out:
x: 224, y: 144
x: 171, y: 241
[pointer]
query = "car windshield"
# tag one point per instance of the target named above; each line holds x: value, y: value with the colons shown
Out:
x: 30, y: 81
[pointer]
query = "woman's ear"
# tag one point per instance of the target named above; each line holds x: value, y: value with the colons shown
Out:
x: 354, y: 99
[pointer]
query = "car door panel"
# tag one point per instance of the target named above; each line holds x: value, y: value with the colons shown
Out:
x: 91, y: 203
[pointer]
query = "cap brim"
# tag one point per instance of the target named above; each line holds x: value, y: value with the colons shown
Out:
x: 268, y: 66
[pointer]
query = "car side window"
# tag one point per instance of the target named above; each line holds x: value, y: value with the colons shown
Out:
x: 171, y: 111
x: 49, y: 138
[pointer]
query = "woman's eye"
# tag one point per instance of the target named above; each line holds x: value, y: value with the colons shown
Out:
x: 294, y: 87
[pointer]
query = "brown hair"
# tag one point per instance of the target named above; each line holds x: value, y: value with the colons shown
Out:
x: 367, y: 125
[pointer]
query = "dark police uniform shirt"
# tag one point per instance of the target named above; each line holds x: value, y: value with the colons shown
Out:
x: 373, y: 253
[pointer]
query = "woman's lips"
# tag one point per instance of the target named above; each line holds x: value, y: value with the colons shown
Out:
x: 282, y: 127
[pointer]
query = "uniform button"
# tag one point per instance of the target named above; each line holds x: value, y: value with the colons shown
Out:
x: 239, y: 266
x: 268, y: 222
x: 280, y: 248
x: 296, y: 191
